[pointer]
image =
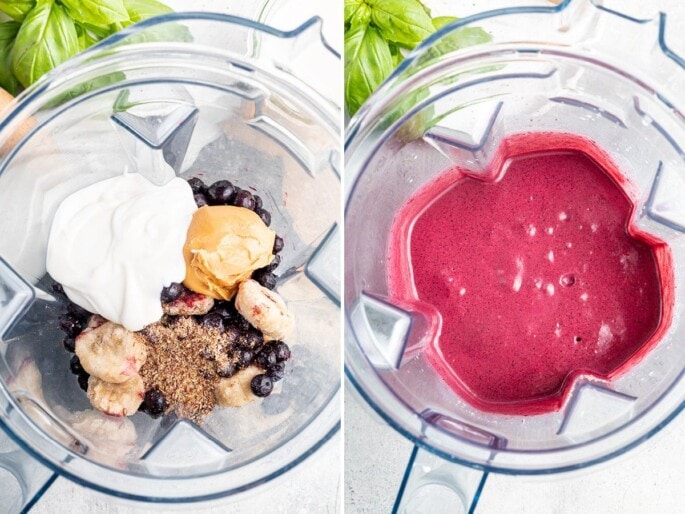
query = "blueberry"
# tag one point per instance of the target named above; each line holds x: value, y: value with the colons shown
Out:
x: 75, y: 366
x: 83, y: 381
x: 278, y: 244
x: 197, y: 185
x: 245, y: 357
x: 275, y: 262
x: 69, y: 344
x: 254, y: 339
x: 277, y: 371
x: 200, y: 200
x: 224, y: 309
x: 232, y: 333
x: 231, y: 316
x: 236, y: 192
x: 227, y: 370
x: 244, y: 199
x: 265, y: 278
x: 262, y: 385
x: 282, y: 351
x: 264, y: 215
x: 258, y: 202
x: 266, y: 357
x: 220, y: 192
x: 241, y: 323
x: 171, y: 293
x: 58, y: 289
x: 70, y: 325
x: 155, y: 403
x: 78, y: 312
x: 213, y: 320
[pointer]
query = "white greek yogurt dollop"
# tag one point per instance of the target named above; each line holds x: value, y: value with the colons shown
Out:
x: 116, y: 244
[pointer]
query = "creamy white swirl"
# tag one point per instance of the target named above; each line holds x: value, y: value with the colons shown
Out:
x: 115, y: 244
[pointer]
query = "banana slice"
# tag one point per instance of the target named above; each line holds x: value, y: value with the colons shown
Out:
x: 28, y: 378
x: 101, y: 429
x: 265, y: 310
x: 110, y: 352
x: 116, y: 399
x: 95, y: 321
x: 189, y: 304
x: 236, y: 391
x: 112, y: 440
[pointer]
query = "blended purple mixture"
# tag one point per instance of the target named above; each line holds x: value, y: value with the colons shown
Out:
x: 535, y: 270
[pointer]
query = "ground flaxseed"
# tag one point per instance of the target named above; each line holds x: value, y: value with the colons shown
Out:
x: 182, y: 364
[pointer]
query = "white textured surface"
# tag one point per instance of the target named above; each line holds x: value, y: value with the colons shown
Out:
x: 313, y: 486
x: 375, y: 458
x: 648, y: 479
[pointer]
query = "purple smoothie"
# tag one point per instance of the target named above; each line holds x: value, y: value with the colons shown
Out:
x: 536, y: 272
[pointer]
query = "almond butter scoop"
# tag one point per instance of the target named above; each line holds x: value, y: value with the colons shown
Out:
x: 225, y: 244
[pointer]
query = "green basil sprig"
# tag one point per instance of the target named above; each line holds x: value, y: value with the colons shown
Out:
x: 47, y: 38
x: 139, y: 10
x: 404, y: 22
x: 8, y: 32
x: 99, y: 13
x: 17, y: 10
x: 376, y: 33
x: 368, y: 62
x: 45, y: 33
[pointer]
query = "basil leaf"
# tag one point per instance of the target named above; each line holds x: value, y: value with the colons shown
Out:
x: 139, y: 10
x: 361, y: 17
x: 86, y: 38
x: 85, y: 87
x: 416, y: 126
x: 46, y: 39
x: 351, y: 7
x: 396, y: 53
x: 461, y: 38
x: 441, y: 21
x: 143, y: 9
x: 401, y: 21
x: 357, y: 13
x: 8, y: 31
x: 100, y: 13
x: 98, y: 32
x: 16, y: 9
x: 367, y: 64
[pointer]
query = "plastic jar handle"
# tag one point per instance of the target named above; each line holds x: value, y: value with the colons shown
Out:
x: 432, y: 484
x: 23, y: 480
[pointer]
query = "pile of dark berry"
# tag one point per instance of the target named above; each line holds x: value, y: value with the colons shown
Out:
x: 245, y: 344
x: 73, y: 321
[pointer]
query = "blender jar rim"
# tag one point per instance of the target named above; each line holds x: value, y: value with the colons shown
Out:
x: 364, y: 126
x: 324, y: 424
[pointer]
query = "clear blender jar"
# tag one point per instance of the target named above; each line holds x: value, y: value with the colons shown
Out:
x: 578, y: 68
x: 205, y: 95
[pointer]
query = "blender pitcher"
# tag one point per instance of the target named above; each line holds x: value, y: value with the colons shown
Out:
x: 192, y: 94
x: 577, y: 68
